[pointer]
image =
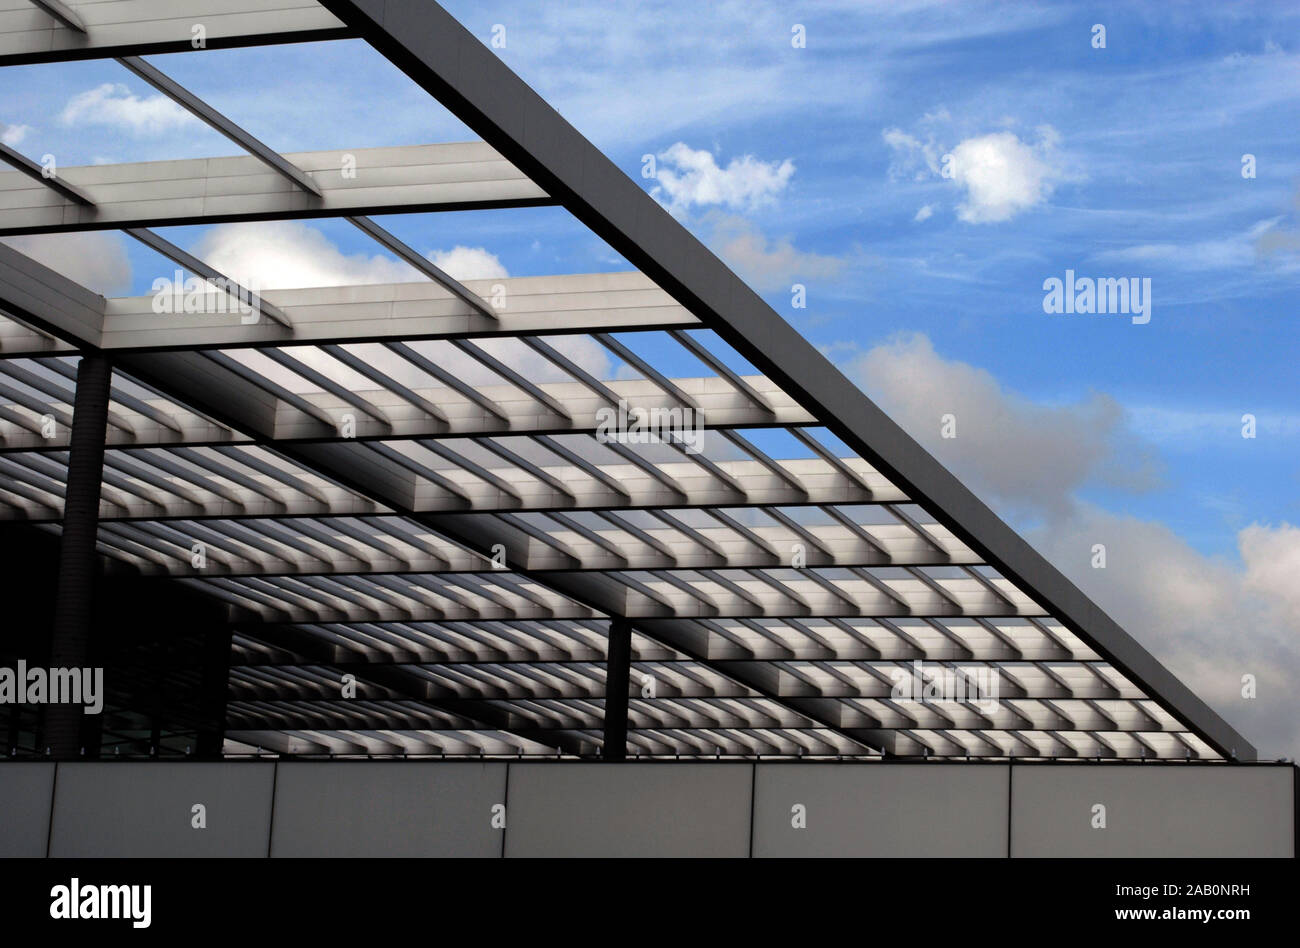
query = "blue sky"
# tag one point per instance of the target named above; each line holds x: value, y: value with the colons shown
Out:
x: 824, y: 165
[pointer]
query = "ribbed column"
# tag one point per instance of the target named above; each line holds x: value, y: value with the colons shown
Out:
x: 212, y: 701
x: 618, y: 668
x: 78, y: 563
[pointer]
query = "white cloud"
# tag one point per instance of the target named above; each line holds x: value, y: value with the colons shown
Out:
x: 1272, y: 558
x: 1026, y: 455
x: 11, y: 135
x: 1001, y: 175
x: 1208, y: 620
x: 94, y: 258
x: 690, y: 177
x: 287, y: 254
x: 113, y: 104
x: 765, y: 264
x: 925, y: 213
x: 468, y: 263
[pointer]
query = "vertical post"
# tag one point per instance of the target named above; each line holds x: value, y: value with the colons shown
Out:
x: 78, y: 563
x: 618, y: 668
x: 215, y: 650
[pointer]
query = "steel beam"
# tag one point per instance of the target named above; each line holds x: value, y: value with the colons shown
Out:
x: 220, y: 123
x: 54, y: 31
x: 582, y: 303
x: 37, y: 173
x: 402, y: 179
x: 198, y: 268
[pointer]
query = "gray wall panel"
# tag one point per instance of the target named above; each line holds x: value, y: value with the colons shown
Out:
x: 689, y: 809
x: 1153, y: 811
x: 144, y: 809
x: 25, y: 791
x: 881, y: 810
x: 387, y: 809
x: 433, y: 808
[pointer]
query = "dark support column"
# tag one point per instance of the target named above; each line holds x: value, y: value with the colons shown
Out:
x: 78, y: 563
x: 212, y: 702
x: 618, y: 669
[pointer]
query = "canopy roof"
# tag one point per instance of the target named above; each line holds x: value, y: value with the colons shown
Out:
x: 414, y: 483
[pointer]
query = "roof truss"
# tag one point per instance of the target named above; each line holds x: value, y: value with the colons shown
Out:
x: 463, y: 544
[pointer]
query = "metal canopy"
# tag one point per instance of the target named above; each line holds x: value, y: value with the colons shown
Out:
x: 410, y: 484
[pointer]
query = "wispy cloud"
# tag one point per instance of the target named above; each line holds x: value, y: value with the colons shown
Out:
x: 767, y: 264
x: 12, y: 135
x: 1243, y: 249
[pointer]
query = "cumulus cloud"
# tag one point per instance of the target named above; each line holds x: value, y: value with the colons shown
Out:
x: 11, y: 135
x: 286, y: 254
x: 290, y: 254
x: 113, y: 104
x: 689, y: 178
x: 1273, y: 559
x: 1209, y: 620
x: 925, y: 212
x: 1001, y: 175
x: 767, y: 264
x: 1027, y: 455
x: 468, y: 263
x: 96, y: 258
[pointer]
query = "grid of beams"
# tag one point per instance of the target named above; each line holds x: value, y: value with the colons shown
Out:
x: 413, y: 487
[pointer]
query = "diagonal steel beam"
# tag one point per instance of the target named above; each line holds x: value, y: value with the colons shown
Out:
x: 37, y: 173
x: 423, y: 264
x: 220, y: 123
x: 63, y: 13
x: 161, y: 245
